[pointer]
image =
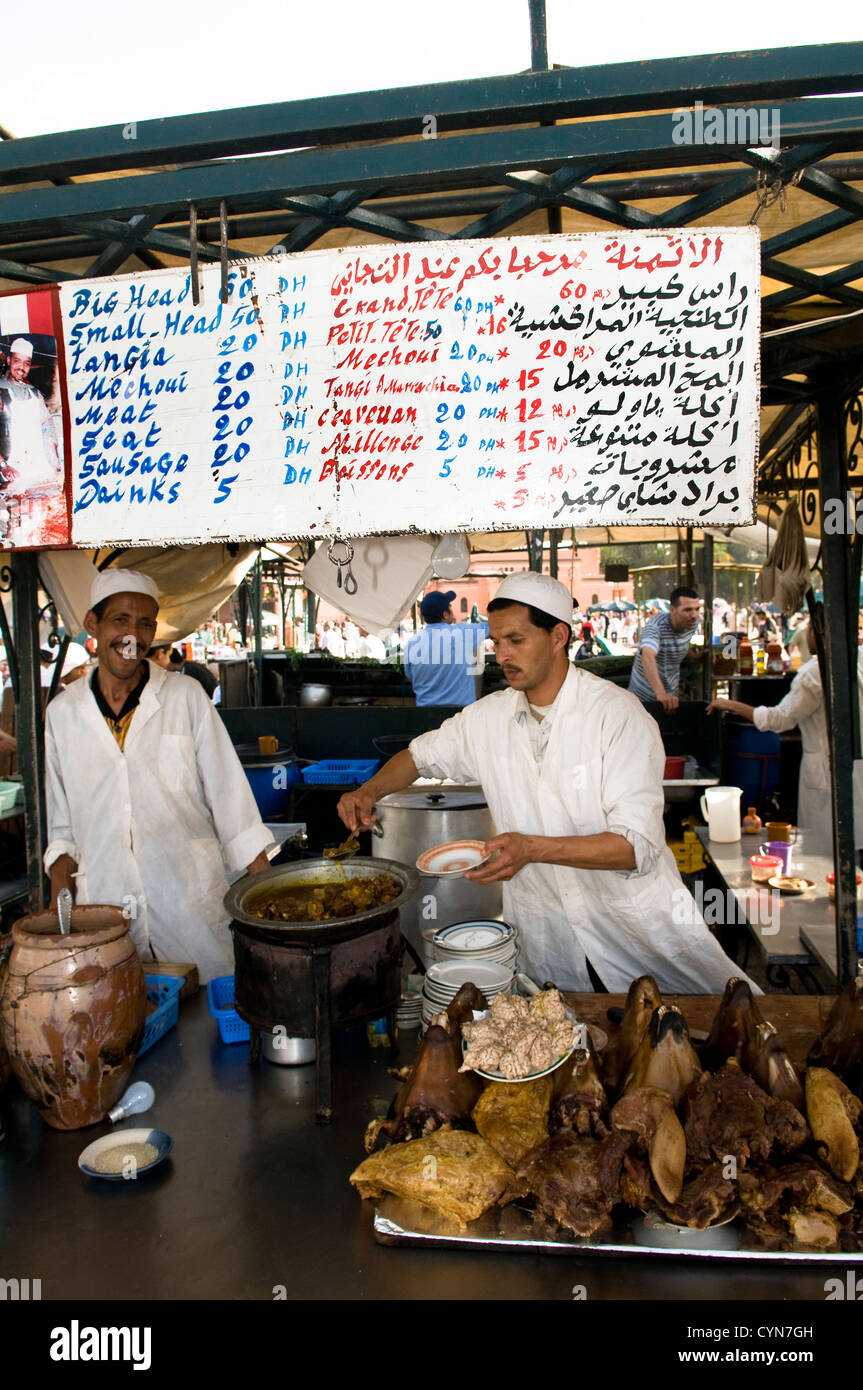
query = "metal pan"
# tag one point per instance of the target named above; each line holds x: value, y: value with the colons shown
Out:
x: 320, y: 871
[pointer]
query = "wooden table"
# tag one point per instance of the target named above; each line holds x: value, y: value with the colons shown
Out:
x: 784, y: 947
x: 798, y: 1018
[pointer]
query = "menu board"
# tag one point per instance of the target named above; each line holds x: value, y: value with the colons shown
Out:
x: 462, y: 385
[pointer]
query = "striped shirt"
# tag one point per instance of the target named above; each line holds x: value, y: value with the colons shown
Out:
x: 670, y: 648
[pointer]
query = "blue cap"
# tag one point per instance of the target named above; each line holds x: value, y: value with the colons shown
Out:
x: 435, y: 604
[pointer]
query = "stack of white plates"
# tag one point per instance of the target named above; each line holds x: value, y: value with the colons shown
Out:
x: 443, y: 981
x: 410, y: 1008
x: 481, y: 940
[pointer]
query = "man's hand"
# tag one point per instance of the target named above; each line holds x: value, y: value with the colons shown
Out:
x: 511, y: 852
x: 670, y: 703
x: 259, y: 864
x: 63, y: 871
x: 718, y: 705
x: 357, y: 810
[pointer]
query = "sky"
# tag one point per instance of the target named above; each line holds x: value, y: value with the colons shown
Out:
x: 100, y: 62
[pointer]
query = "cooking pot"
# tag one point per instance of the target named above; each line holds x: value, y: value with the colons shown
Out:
x: 308, y: 977
x: 319, y: 871
x: 420, y: 818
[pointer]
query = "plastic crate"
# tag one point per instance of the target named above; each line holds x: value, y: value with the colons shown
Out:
x: 164, y: 991
x: 220, y: 1001
x: 337, y: 772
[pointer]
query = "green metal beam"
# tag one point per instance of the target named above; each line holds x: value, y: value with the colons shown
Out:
x: 812, y: 284
x: 703, y: 204
x: 645, y: 141
x: 806, y: 233
x: 756, y: 76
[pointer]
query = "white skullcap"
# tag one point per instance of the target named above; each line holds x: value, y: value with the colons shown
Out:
x: 119, y: 581
x: 22, y: 347
x: 539, y: 591
x: 76, y: 656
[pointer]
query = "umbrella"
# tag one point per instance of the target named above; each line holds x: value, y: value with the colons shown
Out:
x: 612, y: 605
x: 660, y: 603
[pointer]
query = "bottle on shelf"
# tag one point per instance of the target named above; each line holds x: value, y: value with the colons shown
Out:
x: 775, y: 665
x: 751, y: 823
x: 744, y: 659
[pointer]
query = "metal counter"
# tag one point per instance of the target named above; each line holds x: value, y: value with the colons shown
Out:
x: 256, y: 1196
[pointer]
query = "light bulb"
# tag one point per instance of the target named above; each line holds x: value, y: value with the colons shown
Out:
x: 451, y: 559
x: 136, y: 1100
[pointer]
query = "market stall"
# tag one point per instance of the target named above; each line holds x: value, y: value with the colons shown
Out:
x: 444, y: 381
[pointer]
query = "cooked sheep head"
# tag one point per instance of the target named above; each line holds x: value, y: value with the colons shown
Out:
x: 643, y: 997
x: 727, y: 1113
x: 648, y: 1114
x: 733, y: 1030
x: 840, y: 1046
x: 767, y: 1062
x: 580, y: 1102
x: 435, y: 1094
x: 468, y: 1001
x: 833, y: 1113
x: 665, y: 1057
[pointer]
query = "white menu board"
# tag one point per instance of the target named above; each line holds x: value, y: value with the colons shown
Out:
x: 464, y: 385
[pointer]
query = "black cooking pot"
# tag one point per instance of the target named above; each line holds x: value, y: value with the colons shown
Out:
x: 319, y: 871
x: 310, y: 976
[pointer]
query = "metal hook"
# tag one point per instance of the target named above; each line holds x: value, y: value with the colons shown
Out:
x: 334, y: 560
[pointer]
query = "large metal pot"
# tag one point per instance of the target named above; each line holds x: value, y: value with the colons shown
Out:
x: 418, y: 819
x: 319, y: 871
x: 278, y: 965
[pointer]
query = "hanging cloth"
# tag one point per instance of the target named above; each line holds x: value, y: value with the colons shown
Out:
x: 785, y: 578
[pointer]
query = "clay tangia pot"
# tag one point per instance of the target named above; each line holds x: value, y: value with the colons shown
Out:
x: 72, y: 1012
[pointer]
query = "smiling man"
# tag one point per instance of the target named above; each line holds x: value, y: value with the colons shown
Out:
x: 148, y: 805
x: 572, y: 767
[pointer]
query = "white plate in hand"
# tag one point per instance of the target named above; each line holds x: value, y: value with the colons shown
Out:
x: 453, y: 859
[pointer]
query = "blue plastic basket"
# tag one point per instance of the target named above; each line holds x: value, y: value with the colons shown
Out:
x: 220, y: 1001
x: 335, y: 772
x: 164, y: 991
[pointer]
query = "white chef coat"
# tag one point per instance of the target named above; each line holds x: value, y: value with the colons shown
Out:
x: 157, y: 824
x: 803, y: 707
x: 597, y: 766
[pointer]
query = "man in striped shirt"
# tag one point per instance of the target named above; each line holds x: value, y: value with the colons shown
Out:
x: 664, y: 645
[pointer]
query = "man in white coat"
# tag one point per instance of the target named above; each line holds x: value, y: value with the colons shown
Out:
x: 803, y: 708
x: 572, y: 766
x: 148, y: 805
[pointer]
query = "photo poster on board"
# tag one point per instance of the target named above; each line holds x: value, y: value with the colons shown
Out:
x: 34, y: 497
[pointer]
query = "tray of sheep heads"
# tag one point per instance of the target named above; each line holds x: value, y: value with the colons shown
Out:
x: 652, y: 1145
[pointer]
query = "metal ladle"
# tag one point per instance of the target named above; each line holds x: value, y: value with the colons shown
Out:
x: 349, y: 847
x: 64, y: 911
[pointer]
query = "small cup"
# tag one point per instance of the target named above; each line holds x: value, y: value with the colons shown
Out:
x: 778, y: 849
x: 781, y: 830
x: 268, y: 744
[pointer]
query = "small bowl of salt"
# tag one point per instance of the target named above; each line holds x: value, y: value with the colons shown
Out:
x: 125, y: 1155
